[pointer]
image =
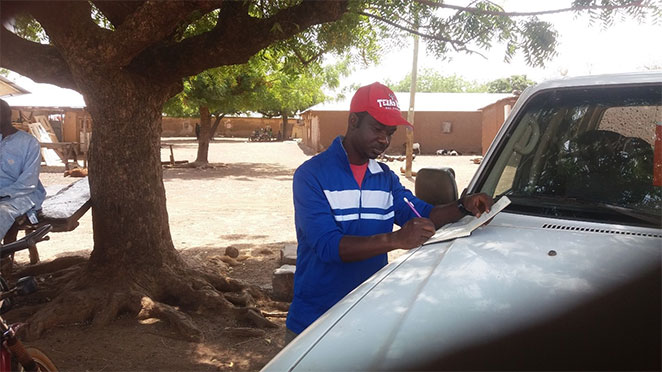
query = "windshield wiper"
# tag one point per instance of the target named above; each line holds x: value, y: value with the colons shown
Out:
x: 559, y: 202
x: 630, y: 212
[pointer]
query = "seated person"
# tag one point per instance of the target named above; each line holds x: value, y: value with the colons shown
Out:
x: 21, y: 192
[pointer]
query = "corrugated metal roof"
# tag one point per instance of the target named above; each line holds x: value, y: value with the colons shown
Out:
x: 9, y: 88
x: 44, y: 95
x: 448, y: 102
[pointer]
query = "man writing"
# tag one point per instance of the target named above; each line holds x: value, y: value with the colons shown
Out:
x: 345, y: 206
x: 21, y: 191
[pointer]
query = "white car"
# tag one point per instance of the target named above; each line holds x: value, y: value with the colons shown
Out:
x: 566, y: 277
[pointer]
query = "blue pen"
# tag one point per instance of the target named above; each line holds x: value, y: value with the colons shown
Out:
x: 411, y: 205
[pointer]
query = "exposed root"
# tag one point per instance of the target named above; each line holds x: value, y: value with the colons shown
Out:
x: 240, y: 299
x: 182, y: 322
x: 72, y: 308
x: 275, y: 314
x: 258, y: 319
x: 117, y: 304
x: 56, y: 265
x: 170, y: 295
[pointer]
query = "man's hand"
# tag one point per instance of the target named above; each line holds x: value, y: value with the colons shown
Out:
x: 477, y: 204
x: 414, y: 233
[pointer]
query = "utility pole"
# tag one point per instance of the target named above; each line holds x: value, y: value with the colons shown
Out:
x: 410, y: 113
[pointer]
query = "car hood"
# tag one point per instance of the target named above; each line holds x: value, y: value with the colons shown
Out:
x: 441, y: 298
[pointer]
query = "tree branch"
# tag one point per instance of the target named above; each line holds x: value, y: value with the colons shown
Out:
x: 226, y: 44
x: 69, y: 22
x: 69, y: 26
x: 43, y: 63
x: 458, y: 45
x: 637, y: 3
x: 117, y: 11
x: 408, y: 29
x: 149, y: 24
x: 306, y: 62
x: 214, y: 126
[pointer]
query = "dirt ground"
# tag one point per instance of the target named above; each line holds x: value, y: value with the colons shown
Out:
x: 245, y: 202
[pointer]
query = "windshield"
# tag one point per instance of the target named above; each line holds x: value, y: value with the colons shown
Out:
x: 585, y: 154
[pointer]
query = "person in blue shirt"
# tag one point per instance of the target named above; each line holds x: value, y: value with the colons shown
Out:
x: 345, y: 205
x: 21, y: 192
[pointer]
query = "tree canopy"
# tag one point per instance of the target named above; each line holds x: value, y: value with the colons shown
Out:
x: 510, y: 84
x: 429, y: 80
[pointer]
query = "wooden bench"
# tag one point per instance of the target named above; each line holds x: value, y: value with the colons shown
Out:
x: 62, y: 211
x: 66, y: 151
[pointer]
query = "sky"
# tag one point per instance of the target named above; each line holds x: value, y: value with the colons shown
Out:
x: 583, y: 49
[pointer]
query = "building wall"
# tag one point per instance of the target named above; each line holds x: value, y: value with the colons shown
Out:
x: 229, y: 127
x: 494, y: 116
x: 464, y: 135
x: 321, y: 127
x: 459, y: 131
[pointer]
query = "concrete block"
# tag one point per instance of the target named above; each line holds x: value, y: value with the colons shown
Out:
x: 288, y: 254
x: 283, y: 282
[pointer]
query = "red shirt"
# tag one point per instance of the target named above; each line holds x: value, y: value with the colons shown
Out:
x: 359, y: 172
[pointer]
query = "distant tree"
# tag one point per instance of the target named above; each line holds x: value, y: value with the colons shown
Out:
x: 291, y: 87
x: 277, y: 81
x: 269, y: 83
x: 510, y: 84
x: 212, y: 94
x: 429, y: 80
x: 127, y: 58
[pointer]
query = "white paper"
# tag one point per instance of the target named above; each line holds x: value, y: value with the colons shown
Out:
x: 467, y: 224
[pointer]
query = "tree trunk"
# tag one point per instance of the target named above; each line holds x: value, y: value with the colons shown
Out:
x: 134, y: 266
x: 205, y: 137
x: 286, y: 132
x: 129, y: 206
x: 207, y: 131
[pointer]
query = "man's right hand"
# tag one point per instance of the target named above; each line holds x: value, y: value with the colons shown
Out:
x: 414, y: 233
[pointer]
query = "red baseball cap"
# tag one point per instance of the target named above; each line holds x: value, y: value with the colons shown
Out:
x: 380, y: 102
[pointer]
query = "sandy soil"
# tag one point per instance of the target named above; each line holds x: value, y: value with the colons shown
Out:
x: 245, y: 202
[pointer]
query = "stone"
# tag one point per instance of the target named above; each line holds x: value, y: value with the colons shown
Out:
x: 232, y: 252
x: 283, y: 283
x: 288, y: 254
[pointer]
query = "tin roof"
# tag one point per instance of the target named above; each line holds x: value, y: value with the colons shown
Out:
x: 447, y: 102
x: 9, y: 88
x: 44, y: 95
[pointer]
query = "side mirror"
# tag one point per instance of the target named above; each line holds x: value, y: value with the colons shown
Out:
x: 436, y: 185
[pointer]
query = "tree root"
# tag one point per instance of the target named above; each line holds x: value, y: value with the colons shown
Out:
x: 168, y: 294
x: 56, y: 265
x: 182, y: 322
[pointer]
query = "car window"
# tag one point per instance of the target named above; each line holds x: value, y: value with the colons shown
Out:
x: 583, y: 153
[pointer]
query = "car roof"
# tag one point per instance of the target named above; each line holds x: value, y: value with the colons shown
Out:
x: 598, y: 80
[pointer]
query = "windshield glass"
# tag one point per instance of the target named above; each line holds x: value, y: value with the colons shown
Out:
x: 586, y: 154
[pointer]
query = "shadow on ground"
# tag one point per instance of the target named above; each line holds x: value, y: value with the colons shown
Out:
x: 241, y: 171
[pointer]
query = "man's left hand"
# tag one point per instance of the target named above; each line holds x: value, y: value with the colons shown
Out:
x: 477, y: 204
